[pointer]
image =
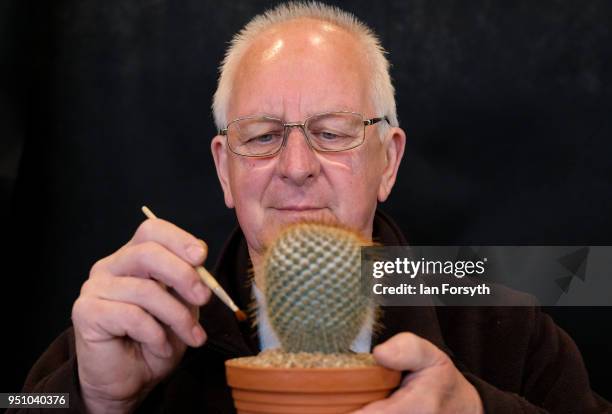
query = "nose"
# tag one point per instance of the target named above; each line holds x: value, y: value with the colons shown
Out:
x: 298, y: 162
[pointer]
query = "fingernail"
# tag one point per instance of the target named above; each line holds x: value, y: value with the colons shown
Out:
x: 199, y: 291
x: 195, y: 252
x: 204, y: 245
x: 198, y: 334
x: 377, y: 351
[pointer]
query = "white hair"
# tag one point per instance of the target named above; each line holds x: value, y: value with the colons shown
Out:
x: 382, y: 91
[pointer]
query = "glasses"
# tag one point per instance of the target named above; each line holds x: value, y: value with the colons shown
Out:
x: 263, y: 136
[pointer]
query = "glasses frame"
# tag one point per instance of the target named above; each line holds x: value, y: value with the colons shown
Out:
x: 302, y: 126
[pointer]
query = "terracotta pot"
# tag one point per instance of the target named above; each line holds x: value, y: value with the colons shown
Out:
x: 258, y: 390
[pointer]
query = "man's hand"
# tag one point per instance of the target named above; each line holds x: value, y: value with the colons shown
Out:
x: 136, y: 314
x: 434, y: 385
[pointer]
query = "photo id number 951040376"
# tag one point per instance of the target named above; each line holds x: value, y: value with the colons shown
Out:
x: 34, y: 400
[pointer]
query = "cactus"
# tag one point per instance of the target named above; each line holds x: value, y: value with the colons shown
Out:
x: 313, y: 290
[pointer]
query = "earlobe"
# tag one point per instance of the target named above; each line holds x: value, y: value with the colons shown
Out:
x: 220, y: 155
x: 394, y: 151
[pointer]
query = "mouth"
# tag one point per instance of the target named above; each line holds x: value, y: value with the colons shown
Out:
x: 297, y: 213
x: 297, y: 208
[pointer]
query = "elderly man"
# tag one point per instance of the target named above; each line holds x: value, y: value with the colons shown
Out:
x: 308, y: 129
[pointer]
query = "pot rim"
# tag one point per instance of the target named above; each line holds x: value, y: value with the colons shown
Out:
x: 234, y: 364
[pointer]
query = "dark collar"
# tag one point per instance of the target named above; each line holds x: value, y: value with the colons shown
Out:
x: 228, y: 336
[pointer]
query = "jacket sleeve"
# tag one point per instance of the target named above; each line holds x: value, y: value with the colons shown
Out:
x: 555, y: 379
x: 55, y: 371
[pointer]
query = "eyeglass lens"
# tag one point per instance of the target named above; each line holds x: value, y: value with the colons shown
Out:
x: 326, y: 132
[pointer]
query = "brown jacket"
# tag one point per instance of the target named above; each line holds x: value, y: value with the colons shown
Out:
x: 517, y: 358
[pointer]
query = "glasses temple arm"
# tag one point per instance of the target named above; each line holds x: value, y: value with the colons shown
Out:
x: 373, y: 121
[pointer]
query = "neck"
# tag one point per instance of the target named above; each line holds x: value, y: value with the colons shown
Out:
x: 257, y: 262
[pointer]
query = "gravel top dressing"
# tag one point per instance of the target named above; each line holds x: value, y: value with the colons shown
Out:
x: 275, y: 358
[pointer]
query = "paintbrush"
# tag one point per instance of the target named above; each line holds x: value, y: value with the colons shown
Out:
x: 209, y: 280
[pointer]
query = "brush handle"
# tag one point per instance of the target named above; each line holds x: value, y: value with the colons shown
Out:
x: 212, y: 283
x: 206, y: 277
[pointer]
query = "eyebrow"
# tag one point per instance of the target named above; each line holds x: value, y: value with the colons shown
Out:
x: 307, y: 114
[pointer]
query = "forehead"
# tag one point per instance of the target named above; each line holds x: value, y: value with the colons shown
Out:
x: 298, y: 68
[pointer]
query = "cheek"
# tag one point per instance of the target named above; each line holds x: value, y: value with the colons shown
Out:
x: 365, y: 170
x: 248, y: 178
x: 374, y: 164
x: 355, y: 179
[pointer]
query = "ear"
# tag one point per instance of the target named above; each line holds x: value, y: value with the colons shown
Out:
x: 393, y: 144
x: 220, y: 155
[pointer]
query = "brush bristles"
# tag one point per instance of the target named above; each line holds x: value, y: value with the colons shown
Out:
x: 240, y: 315
x: 313, y: 288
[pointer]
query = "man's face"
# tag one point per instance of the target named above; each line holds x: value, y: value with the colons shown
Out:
x: 291, y: 72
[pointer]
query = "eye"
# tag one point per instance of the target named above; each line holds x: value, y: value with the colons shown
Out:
x: 329, y: 136
x: 263, y: 139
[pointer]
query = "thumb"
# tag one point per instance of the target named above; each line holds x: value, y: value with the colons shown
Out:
x: 408, y: 352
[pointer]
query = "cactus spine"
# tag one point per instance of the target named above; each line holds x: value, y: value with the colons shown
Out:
x: 313, y: 290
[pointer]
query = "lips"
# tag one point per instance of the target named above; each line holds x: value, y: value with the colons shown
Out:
x: 296, y: 213
x: 298, y: 208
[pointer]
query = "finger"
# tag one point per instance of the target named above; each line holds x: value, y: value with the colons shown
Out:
x: 406, y: 400
x: 175, y: 239
x: 152, y: 260
x: 408, y: 352
x: 100, y: 320
x: 398, y: 402
x: 150, y: 296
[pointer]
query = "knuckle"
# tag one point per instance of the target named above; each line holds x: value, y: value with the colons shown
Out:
x: 186, y: 276
x: 97, y: 267
x: 135, y: 316
x: 146, y: 252
x: 156, y: 335
x: 144, y: 288
x: 88, y: 287
x: 85, y: 288
x: 183, y: 317
x: 443, y: 359
x: 146, y: 229
x: 81, y: 308
x: 406, y: 337
x: 76, y: 309
x: 404, y: 341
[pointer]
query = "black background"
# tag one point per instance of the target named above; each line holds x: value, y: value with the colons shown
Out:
x: 105, y: 106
